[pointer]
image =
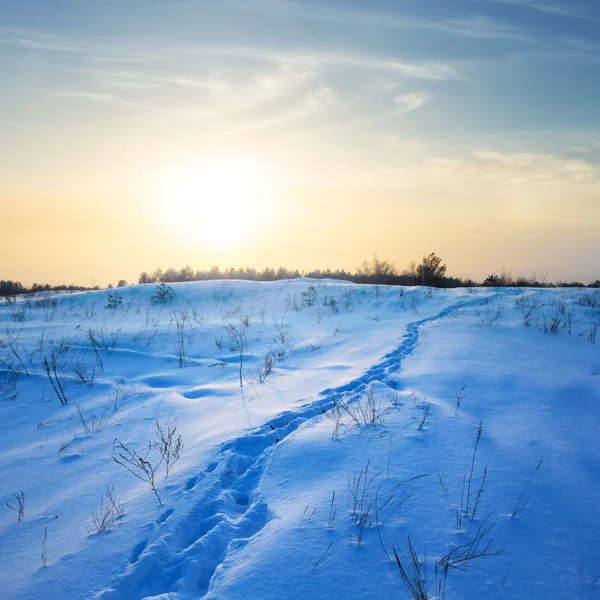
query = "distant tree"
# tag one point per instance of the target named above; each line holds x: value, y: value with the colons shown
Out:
x: 268, y: 274
x: 171, y: 275
x: 431, y: 271
x: 186, y: 274
x: 122, y: 283
x: 10, y: 288
x: 248, y: 273
x: 409, y: 274
x: 377, y: 271
x: 492, y: 281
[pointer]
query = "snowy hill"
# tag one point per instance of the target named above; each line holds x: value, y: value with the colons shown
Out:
x: 385, y: 442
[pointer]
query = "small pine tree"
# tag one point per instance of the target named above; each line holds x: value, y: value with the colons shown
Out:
x: 431, y: 271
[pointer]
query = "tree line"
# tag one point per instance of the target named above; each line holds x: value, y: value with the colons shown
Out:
x: 431, y: 271
x: 14, y: 288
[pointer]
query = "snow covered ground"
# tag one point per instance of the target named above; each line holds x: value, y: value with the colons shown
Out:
x: 465, y: 421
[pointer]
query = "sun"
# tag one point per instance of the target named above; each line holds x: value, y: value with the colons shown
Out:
x: 219, y: 201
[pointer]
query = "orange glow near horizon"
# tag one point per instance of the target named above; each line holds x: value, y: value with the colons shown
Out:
x: 293, y: 134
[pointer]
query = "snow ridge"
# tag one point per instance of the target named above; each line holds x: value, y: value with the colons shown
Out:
x: 181, y: 563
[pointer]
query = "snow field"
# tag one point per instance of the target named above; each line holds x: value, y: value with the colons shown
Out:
x: 247, y: 510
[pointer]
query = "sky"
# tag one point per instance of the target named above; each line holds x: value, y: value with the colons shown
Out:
x: 143, y: 134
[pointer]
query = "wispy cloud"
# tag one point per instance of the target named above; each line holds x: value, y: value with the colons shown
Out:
x: 406, y: 103
x: 561, y: 10
x: 536, y: 166
x: 46, y: 45
x: 390, y: 19
x: 314, y: 102
x: 99, y: 97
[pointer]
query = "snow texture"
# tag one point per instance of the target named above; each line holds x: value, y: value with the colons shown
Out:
x: 464, y: 421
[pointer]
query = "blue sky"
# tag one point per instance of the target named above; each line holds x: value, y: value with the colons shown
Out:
x: 422, y: 103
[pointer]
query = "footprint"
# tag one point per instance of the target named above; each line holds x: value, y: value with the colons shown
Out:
x: 190, y: 483
x: 241, y: 498
x: 202, y: 392
x: 165, y: 516
x: 137, y: 551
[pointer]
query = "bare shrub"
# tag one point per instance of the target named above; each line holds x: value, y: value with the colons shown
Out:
x: 526, y: 495
x: 282, y: 329
x: 459, y: 396
x: 137, y: 465
x: 89, y: 310
x: 64, y: 343
x: 45, y: 548
x: 361, y: 499
x: 413, y: 572
x: 106, y: 512
x: 367, y: 503
x: 180, y: 320
x: 101, y: 339
x: 20, y: 505
x: 51, y: 368
x: 168, y: 444
x: 367, y: 409
x: 477, y: 548
x: 426, y: 410
x: 95, y: 423
x: 332, y: 304
x: 479, y: 432
x: 19, y: 314
x: 488, y: 317
x: 18, y: 353
x: 336, y: 415
x: 123, y: 391
x: 9, y: 377
x: 238, y: 334
x: 396, y: 399
x: 81, y: 371
x: 413, y: 575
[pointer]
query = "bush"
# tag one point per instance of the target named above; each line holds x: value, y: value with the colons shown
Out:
x: 164, y: 293
x: 309, y: 298
x: 115, y: 300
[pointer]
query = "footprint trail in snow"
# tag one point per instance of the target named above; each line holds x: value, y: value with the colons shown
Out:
x: 182, y: 562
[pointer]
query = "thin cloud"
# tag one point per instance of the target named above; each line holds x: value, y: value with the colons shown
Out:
x: 311, y: 104
x: 99, y: 97
x: 429, y: 70
x: 407, y: 103
x: 390, y: 20
x: 42, y: 45
x: 552, y: 9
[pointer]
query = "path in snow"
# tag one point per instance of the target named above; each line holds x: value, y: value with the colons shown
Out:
x: 184, y: 559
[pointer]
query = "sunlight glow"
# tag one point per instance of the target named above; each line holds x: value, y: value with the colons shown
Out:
x: 219, y: 201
